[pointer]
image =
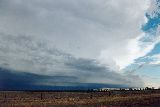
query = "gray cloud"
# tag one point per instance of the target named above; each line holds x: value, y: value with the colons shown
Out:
x: 83, y: 28
x: 58, y: 37
x: 24, y: 53
x: 92, y: 71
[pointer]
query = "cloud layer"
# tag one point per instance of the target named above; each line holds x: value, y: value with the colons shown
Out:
x: 90, y: 40
x: 29, y: 55
x: 90, y: 29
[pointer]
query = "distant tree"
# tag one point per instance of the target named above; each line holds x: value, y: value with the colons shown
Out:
x: 147, y: 88
x: 122, y: 89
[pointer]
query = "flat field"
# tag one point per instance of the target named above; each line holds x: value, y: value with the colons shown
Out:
x: 147, y: 98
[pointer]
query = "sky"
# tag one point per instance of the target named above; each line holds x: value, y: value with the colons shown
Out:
x: 63, y: 43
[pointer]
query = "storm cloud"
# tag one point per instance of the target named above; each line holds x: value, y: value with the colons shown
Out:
x: 90, y: 40
x: 24, y: 54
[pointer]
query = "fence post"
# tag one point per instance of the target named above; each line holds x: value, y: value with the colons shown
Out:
x: 4, y: 97
x: 41, y: 96
x: 91, y: 96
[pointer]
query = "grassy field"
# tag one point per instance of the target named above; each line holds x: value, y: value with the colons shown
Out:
x: 79, y: 99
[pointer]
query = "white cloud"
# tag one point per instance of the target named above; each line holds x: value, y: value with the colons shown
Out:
x: 135, y: 47
x: 83, y: 28
x: 154, y: 59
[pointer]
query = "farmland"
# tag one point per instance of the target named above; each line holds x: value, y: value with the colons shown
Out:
x: 121, y: 98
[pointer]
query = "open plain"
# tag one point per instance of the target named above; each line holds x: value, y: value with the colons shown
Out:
x: 125, y: 98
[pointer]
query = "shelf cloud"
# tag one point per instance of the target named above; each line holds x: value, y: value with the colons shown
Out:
x: 90, y: 40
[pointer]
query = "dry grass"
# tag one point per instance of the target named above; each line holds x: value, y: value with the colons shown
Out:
x: 75, y: 99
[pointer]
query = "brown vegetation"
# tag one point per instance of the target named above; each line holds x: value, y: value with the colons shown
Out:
x: 80, y: 99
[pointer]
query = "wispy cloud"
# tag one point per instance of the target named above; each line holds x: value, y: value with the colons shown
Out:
x: 153, y: 59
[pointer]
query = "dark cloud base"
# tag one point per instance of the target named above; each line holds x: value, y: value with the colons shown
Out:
x: 11, y: 80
